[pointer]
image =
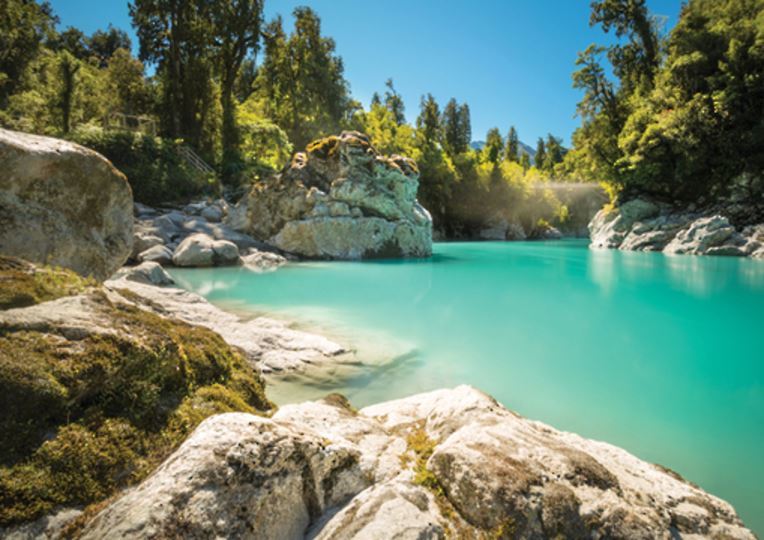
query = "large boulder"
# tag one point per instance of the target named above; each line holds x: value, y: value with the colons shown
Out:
x: 63, y: 204
x: 342, y: 200
x: 201, y: 250
x: 449, y: 463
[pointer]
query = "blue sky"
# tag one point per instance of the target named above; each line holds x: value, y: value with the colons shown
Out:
x: 511, y: 60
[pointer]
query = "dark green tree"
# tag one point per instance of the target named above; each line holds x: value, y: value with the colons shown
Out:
x: 24, y: 26
x: 176, y: 37
x: 512, y: 152
x: 301, y: 80
x: 394, y: 102
x: 104, y: 43
x: 494, y: 146
x: 235, y: 37
x: 540, y: 157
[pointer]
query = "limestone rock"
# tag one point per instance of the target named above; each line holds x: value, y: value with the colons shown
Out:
x: 263, y: 261
x: 148, y: 272
x: 237, y: 476
x: 159, y: 254
x: 63, y: 204
x: 270, y: 345
x: 342, y: 200
x: 705, y: 236
x: 445, y: 463
x: 201, y: 250
x: 144, y: 241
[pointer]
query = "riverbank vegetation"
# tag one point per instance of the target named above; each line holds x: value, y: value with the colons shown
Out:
x: 676, y: 115
x: 683, y: 118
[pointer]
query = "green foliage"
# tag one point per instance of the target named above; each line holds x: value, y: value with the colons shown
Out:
x: 153, y: 166
x: 82, y: 422
x: 512, y: 151
x: 682, y: 125
x: 300, y: 84
x: 24, y: 26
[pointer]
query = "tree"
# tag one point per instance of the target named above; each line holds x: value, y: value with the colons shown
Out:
x: 428, y: 122
x: 540, y: 157
x: 128, y: 90
x: 525, y: 161
x: 24, y: 26
x: 554, y: 152
x: 69, y: 67
x: 301, y: 81
x: 512, y: 152
x: 235, y: 37
x: 176, y: 37
x: 394, y: 102
x: 494, y: 146
x: 456, y: 127
x: 635, y: 62
x: 104, y: 43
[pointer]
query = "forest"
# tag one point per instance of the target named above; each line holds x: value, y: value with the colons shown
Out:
x: 677, y: 115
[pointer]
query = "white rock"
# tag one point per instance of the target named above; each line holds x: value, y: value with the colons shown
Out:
x: 159, y: 254
x: 213, y: 213
x: 323, y: 470
x: 201, y: 250
x: 147, y: 272
x: 702, y: 235
x: 63, y: 204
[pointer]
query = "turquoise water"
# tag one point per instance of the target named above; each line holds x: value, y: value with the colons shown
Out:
x: 661, y: 355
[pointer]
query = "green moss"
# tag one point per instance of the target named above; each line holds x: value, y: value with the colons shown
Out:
x: 84, y: 418
x: 22, y: 284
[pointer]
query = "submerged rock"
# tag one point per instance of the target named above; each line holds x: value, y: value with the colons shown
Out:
x: 342, y: 200
x: 446, y: 463
x: 63, y: 204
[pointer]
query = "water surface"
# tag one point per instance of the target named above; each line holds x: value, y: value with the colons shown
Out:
x: 661, y: 355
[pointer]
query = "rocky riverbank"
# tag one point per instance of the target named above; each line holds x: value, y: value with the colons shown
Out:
x: 136, y: 410
x: 644, y: 225
x: 450, y: 463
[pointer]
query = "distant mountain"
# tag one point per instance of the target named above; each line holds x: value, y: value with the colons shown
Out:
x: 478, y: 145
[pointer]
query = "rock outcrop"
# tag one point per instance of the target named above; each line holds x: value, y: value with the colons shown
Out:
x: 643, y: 225
x: 96, y: 390
x: 63, y: 204
x: 450, y: 462
x: 270, y: 345
x: 340, y: 199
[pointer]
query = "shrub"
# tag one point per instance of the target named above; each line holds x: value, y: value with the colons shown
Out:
x: 156, y: 171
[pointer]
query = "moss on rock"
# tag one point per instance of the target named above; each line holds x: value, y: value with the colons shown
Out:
x: 23, y: 284
x: 84, y: 417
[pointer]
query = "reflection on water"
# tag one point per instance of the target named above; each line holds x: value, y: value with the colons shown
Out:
x: 661, y: 355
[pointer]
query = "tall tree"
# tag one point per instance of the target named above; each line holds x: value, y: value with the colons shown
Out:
x: 554, y: 152
x: 301, y: 80
x: 540, y: 157
x: 102, y: 44
x: 176, y: 36
x: 635, y: 62
x: 235, y: 36
x: 428, y: 121
x: 494, y: 146
x: 394, y: 102
x: 456, y: 127
x: 513, y: 146
x: 24, y: 25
